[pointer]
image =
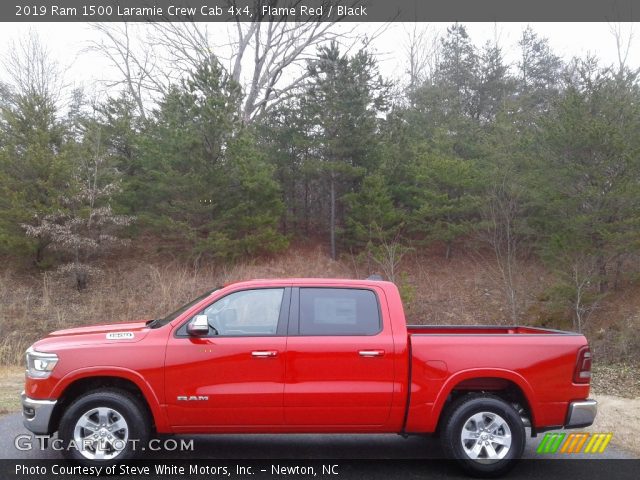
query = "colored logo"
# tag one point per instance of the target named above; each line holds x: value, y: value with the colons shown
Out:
x: 574, y: 442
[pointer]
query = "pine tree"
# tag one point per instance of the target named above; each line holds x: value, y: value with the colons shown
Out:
x: 539, y: 74
x: 448, y: 198
x: 343, y: 97
x: 584, y: 189
x: 203, y: 182
x: 34, y: 169
x: 371, y: 215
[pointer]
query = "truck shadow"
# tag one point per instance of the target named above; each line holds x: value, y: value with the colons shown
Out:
x: 303, y: 446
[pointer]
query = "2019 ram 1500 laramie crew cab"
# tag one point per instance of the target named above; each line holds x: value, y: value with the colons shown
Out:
x: 306, y: 355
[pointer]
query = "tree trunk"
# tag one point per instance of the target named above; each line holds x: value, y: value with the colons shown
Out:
x: 82, y: 280
x: 447, y: 253
x: 39, y: 254
x: 306, y: 208
x: 332, y: 222
x: 618, y: 277
x: 603, y: 281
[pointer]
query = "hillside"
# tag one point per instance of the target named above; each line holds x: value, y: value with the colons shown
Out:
x: 144, y: 282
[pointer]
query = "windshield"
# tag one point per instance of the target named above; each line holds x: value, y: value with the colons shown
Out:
x: 172, y: 316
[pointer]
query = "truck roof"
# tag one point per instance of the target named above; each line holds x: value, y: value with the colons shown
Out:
x: 311, y: 281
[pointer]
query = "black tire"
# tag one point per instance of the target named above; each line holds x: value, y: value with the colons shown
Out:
x: 122, y: 403
x: 460, y: 414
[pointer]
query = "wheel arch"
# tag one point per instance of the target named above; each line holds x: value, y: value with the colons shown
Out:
x: 80, y: 382
x: 503, y: 383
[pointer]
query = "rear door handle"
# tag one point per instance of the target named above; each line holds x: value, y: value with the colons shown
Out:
x: 371, y: 353
x: 264, y: 353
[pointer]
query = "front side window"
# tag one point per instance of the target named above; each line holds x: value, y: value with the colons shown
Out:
x: 246, y: 313
x: 338, y: 311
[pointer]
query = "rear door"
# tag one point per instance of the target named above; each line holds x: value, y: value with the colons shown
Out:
x: 340, y: 359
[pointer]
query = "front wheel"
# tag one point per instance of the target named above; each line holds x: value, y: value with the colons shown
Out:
x: 102, y: 428
x: 484, y: 434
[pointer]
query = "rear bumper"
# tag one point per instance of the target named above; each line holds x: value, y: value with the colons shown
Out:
x: 36, y: 414
x: 581, y: 414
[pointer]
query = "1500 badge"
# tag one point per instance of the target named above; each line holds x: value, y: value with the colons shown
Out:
x: 120, y: 335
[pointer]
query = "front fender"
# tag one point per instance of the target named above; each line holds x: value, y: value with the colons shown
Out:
x: 154, y: 403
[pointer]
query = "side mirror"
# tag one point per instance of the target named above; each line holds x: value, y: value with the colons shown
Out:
x: 198, y: 326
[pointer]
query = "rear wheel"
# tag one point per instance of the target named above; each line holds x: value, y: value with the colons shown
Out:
x: 484, y: 434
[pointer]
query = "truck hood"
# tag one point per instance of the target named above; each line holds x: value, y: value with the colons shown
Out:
x: 108, y: 333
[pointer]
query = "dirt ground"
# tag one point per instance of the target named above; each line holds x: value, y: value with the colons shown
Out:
x: 621, y: 416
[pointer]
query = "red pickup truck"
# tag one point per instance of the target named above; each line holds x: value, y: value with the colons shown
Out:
x: 306, y: 355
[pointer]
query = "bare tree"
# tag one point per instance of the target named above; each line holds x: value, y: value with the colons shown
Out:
x: 501, y: 214
x: 388, y: 256
x: 136, y: 61
x: 276, y: 46
x: 624, y: 40
x: 31, y: 70
x: 385, y: 253
x: 578, y: 273
x: 267, y: 56
x: 582, y: 275
x: 421, y: 49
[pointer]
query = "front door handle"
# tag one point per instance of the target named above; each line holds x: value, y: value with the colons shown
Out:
x: 371, y: 353
x: 264, y: 353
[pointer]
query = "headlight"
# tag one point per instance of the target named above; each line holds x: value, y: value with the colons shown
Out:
x: 39, y: 364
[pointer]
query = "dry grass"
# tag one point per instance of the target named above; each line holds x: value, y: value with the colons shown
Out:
x: 467, y: 289
x: 614, y: 330
x: 147, y: 283
x: 31, y: 305
x: 11, y: 384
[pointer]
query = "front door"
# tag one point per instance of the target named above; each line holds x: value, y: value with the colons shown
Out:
x: 234, y: 376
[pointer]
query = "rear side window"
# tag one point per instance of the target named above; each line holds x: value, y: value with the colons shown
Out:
x: 338, y: 311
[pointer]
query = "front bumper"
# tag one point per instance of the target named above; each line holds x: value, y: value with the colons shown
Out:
x: 581, y: 414
x: 36, y: 414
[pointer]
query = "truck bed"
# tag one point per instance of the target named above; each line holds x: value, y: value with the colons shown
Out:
x: 481, y: 330
x: 492, y: 358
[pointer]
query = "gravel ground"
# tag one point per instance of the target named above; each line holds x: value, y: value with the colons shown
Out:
x: 621, y: 416
x: 621, y: 380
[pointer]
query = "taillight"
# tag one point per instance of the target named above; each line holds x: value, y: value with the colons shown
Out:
x: 583, y: 366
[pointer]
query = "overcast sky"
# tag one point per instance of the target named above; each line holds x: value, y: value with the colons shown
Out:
x: 67, y: 40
